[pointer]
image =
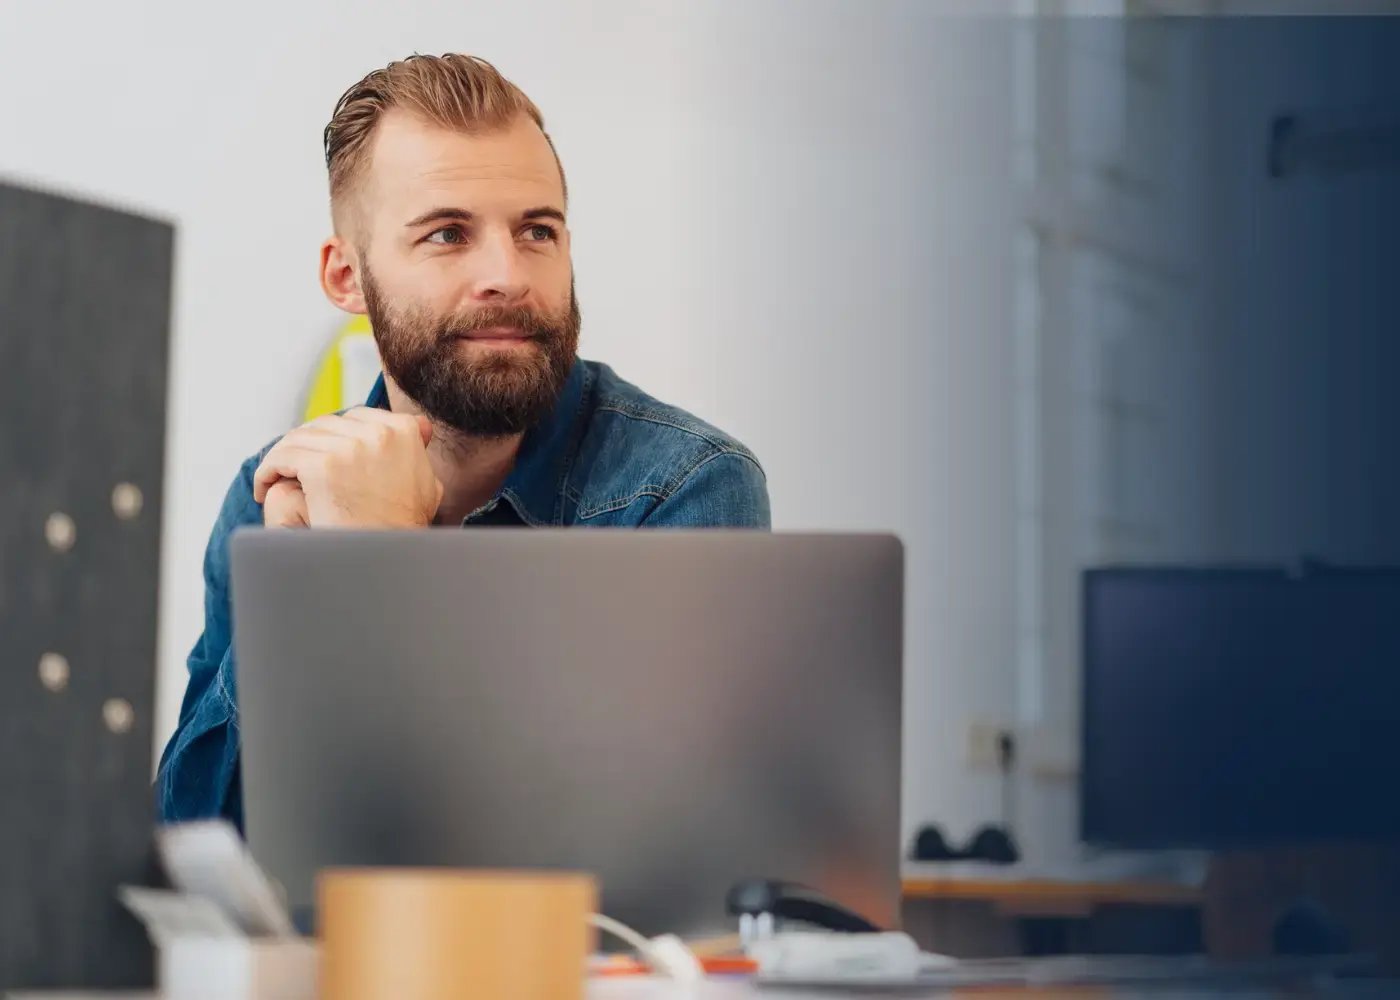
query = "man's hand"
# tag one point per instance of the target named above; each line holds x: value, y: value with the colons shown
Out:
x: 285, y: 506
x: 366, y: 469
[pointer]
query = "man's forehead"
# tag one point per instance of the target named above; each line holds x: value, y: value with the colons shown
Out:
x: 415, y: 162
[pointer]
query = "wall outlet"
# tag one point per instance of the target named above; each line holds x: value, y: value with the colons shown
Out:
x: 1051, y: 753
x: 984, y: 745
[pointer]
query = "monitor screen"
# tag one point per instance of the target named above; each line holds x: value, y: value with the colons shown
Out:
x: 1239, y: 708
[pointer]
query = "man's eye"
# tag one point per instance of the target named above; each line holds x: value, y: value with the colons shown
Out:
x: 447, y: 236
x: 539, y: 232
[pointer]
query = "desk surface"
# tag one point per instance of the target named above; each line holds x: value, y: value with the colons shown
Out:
x: 736, y: 989
x: 642, y: 988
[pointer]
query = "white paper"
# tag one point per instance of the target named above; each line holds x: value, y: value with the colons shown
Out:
x: 208, y: 859
x: 169, y: 915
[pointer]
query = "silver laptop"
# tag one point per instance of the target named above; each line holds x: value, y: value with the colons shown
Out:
x: 672, y: 711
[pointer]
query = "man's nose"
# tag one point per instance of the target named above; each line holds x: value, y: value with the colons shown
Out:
x: 498, y: 271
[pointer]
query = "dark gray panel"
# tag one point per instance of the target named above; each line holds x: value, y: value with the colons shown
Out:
x: 84, y: 333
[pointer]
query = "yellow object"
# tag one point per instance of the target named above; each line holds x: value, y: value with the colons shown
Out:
x: 346, y: 371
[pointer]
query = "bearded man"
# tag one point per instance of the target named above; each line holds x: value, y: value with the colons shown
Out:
x: 449, y: 210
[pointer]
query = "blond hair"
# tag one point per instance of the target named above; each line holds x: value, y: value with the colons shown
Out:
x: 451, y: 90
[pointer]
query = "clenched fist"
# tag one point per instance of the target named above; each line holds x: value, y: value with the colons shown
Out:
x: 366, y: 469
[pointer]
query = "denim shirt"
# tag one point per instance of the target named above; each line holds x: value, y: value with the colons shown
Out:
x: 607, y: 456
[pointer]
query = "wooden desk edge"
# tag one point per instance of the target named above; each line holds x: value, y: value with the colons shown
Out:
x: 1051, y: 891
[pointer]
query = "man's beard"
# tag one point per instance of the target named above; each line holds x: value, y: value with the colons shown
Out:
x: 492, y: 394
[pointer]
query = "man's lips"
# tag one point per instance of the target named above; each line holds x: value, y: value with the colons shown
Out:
x: 495, y: 333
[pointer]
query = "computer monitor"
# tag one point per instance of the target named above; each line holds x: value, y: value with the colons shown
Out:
x: 1239, y: 708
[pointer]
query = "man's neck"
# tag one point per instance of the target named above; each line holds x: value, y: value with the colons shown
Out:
x: 471, y: 469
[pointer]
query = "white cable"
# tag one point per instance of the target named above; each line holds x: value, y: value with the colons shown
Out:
x: 620, y: 930
x: 667, y: 954
x: 932, y: 961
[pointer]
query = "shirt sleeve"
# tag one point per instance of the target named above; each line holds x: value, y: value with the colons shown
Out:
x: 198, y: 777
x: 725, y: 490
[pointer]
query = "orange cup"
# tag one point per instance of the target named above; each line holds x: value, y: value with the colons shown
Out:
x: 445, y: 934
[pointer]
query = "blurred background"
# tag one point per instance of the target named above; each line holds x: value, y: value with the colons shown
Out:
x: 1035, y: 292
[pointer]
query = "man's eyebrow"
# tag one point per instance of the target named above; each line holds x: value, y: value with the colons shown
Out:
x: 543, y: 212
x: 440, y: 215
x: 462, y: 215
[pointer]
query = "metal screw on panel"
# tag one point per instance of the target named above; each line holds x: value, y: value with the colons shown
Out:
x: 118, y: 714
x: 53, y: 671
x: 61, y: 532
x: 126, y: 501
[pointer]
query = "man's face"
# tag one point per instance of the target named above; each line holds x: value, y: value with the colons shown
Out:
x: 465, y: 269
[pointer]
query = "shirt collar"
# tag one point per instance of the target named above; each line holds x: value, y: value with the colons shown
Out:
x: 535, y: 486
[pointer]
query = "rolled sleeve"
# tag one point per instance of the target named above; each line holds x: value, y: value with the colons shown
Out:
x: 198, y: 777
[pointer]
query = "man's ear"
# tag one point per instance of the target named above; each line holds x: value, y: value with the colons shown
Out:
x: 340, y: 275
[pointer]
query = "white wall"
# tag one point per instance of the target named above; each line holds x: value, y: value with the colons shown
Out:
x: 791, y: 218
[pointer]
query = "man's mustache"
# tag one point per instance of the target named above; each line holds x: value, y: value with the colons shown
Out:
x: 535, y: 325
